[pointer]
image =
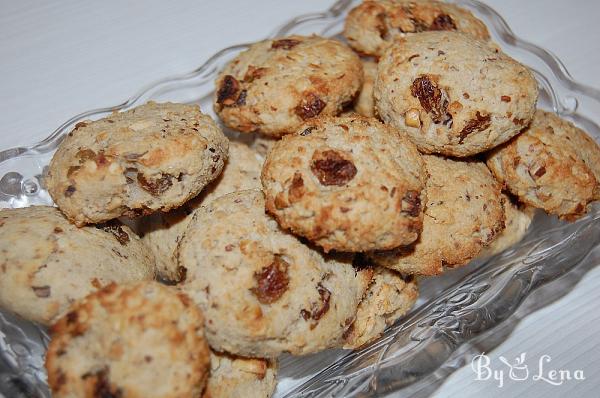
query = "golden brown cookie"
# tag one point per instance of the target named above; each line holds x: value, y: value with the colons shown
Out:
x: 264, y: 292
x: 552, y: 165
x: 452, y: 94
x: 153, y: 157
x: 372, y: 26
x: 464, y: 213
x: 346, y: 183
x: 276, y: 85
x: 46, y: 262
x: 141, y: 340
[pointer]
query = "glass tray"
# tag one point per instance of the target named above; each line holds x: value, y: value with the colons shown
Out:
x: 475, y: 306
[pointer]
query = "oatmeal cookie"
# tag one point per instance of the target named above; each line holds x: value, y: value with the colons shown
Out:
x: 276, y: 85
x: 162, y: 231
x: 464, y: 213
x: 141, y: 340
x: 452, y: 94
x: 390, y: 296
x: 552, y: 165
x: 372, y: 26
x: 153, y: 157
x: 263, y: 292
x: 47, y: 262
x: 346, y: 183
x: 232, y: 376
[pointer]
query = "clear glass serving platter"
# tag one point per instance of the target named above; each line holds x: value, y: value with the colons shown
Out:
x: 465, y: 311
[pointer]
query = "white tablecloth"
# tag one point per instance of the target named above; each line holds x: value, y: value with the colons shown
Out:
x: 61, y: 58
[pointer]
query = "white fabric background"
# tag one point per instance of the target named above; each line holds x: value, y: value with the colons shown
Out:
x: 61, y: 58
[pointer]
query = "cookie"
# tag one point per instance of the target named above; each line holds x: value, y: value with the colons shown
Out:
x: 47, y: 262
x: 552, y: 165
x: 153, y: 157
x: 390, y: 296
x: 518, y: 220
x: 232, y: 376
x: 452, y: 94
x: 141, y: 340
x: 372, y: 26
x: 262, y: 291
x: 464, y: 213
x: 275, y: 85
x: 365, y: 103
x: 346, y: 183
x: 162, y: 231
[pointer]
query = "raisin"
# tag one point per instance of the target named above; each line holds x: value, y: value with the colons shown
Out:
x: 72, y: 317
x: 102, y: 385
x: 418, y: 26
x: 443, y: 22
x: 296, y: 190
x: 80, y: 125
x: 241, y: 100
x: 480, y: 123
x: 539, y: 173
x: 228, y: 93
x: 42, y: 291
x: 155, y: 187
x: 411, y: 203
x: 432, y: 99
x: 69, y: 191
x: 115, y: 228
x: 71, y: 170
x: 272, y: 281
x: 305, y: 314
x: 331, y: 168
x: 310, y: 107
x: 505, y: 98
x: 382, y: 26
x: 285, y: 44
x: 325, y: 296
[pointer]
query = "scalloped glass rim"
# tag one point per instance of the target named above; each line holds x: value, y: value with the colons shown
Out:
x: 480, y: 302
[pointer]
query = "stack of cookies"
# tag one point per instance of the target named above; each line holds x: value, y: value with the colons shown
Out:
x: 410, y: 151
